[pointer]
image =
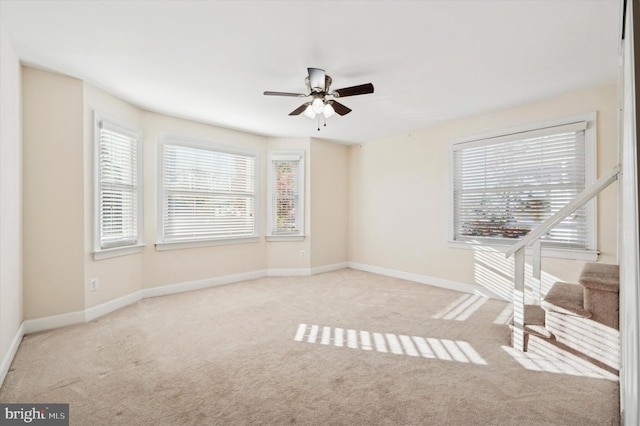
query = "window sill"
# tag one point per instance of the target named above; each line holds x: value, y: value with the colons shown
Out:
x: 286, y: 237
x: 573, y: 254
x: 117, y: 251
x: 186, y: 244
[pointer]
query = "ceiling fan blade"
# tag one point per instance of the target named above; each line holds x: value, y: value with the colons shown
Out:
x: 361, y: 89
x: 295, y: 95
x: 339, y: 108
x: 316, y: 78
x: 300, y: 109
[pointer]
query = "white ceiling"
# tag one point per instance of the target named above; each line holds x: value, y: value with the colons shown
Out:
x: 429, y: 61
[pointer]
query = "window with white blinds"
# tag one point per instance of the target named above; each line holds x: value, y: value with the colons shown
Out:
x: 504, y: 186
x: 286, y: 194
x: 118, y: 195
x: 206, y: 193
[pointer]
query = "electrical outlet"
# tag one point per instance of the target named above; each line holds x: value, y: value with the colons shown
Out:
x: 94, y: 284
x: 303, y: 254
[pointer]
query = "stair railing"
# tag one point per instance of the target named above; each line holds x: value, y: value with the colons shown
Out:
x: 532, y: 239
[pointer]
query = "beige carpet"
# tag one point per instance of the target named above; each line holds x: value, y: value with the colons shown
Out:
x: 383, y: 352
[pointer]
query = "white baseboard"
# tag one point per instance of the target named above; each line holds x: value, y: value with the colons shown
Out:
x: 306, y: 272
x: 89, y: 314
x: 301, y: 272
x: 11, y: 353
x: 329, y: 268
x: 113, y: 305
x: 425, y: 279
x: 53, y: 321
x: 201, y: 284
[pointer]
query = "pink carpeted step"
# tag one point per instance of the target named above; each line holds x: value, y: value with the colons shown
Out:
x: 601, y: 284
x: 567, y: 299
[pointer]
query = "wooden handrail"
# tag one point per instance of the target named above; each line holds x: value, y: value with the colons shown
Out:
x: 589, y: 192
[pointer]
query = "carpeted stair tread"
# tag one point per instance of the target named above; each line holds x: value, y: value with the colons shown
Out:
x: 538, y: 330
x: 566, y: 298
x: 534, y: 317
x: 600, y: 276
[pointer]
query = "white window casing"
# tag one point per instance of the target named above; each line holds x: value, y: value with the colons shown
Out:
x: 117, y: 187
x: 506, y: 183
x: 206, y: 194
x: 285, y: 196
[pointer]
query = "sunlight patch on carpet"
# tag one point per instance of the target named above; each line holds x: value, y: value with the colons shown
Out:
x: 398, y: 344
x: 462, y: 308
x: 550, y: 359
x: 505, y: 315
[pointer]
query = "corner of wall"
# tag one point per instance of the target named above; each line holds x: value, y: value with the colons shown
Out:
x: 11, y: 193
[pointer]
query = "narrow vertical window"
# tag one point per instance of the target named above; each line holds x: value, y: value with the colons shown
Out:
x: 118, y: 189
x: 286, y: 194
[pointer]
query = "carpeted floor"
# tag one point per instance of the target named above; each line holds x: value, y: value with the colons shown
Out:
x: 341, y: 348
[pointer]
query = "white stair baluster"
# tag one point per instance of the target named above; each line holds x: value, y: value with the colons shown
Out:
x: 518, y: 301
x: 536, y: 271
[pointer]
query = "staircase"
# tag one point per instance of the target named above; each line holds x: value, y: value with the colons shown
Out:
x: 570, y: 311
x: 581, y: 318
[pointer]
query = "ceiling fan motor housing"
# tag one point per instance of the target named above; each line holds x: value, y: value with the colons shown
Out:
x: 324, y: 90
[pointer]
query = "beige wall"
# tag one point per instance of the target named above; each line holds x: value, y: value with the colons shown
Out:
x: 53, y: 193
x: 399, y: 195
x: 10, y: 200
x: 328, y: 203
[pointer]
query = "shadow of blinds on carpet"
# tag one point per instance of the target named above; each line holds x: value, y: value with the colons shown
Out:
x: 398, y: 344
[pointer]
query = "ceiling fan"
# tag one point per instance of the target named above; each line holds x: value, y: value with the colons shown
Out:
x: 323, y: 102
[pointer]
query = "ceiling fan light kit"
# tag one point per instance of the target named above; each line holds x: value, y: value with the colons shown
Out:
x: 318, y: 85
x: 317, y: 105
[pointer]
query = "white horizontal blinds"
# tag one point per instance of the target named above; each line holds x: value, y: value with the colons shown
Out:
x: 208, y: 194
x: 505, y: 188
x: 285, y: 203
x: 118, y: 202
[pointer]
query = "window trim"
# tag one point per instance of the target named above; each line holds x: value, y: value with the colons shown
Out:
x: 591, y: 252
x: 165, y: 139
x: 98, y: 252
x: 292, y: 236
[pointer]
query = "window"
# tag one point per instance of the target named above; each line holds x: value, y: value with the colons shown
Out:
x: 118, y: 187
x: 286, y: 195
x: 207, y: 193
x: 506, y: 185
